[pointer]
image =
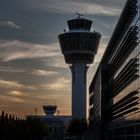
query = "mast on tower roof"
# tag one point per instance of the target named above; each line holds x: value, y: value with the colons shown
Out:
x: 79, y: 15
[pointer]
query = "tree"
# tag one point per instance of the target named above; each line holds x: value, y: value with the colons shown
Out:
x: 38, y: 128
x: 77, y: 127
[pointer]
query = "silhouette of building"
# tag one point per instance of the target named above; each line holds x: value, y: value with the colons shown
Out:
x: 79, y: 46
x: 57, y: 125
x: 115, y: 89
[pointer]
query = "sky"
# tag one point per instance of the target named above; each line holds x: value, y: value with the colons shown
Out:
x: 32, y: 68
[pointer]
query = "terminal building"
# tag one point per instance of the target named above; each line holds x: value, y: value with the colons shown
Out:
x: 115, y: 88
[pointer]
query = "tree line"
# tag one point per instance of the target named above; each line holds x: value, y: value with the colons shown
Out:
x: 13, y: 128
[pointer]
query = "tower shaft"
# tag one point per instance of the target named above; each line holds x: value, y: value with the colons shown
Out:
x: 79, y: 100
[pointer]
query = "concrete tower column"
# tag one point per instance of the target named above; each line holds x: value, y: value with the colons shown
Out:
x: 79, y: 94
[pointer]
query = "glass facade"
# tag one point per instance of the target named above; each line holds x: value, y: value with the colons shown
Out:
x: 120, y: 89
x: 95, y: 97
x: 125, y: 105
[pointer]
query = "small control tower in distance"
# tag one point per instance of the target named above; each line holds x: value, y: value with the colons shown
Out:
x: 49, y: 110
x: 79, y: 46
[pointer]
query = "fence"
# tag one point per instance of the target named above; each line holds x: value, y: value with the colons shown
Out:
x: 13, y: 128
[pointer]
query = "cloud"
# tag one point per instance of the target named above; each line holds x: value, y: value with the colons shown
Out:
x: 51, y: 97
x: 66, y: 6
x: 49, y: 54
x: 11, y: 69
x: 15, y: 50
x: 59, y: 85
x: 100, y: 53
x: 10, y: 84
x: 11, y: 99
x: 16, y: 93
x: 3, y: 105
x: 44, y: 73
x: 10, y: 24
x: 14, y: 85
x: 57, y: 62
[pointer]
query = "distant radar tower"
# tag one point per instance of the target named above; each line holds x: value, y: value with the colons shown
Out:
x: 49, y: 110
x: 79, y: 46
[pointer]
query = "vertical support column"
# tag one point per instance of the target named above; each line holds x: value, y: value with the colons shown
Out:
x: 79, y: 94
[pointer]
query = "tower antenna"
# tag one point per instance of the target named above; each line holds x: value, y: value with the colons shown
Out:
x: 58, y: 112
x: 79, y: 14
x: 35, y: 111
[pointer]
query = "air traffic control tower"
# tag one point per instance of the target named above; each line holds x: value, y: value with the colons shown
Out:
x: 79, y: 46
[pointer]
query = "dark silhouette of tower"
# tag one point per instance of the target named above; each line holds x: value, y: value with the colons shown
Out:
x: 49, y: 110
x: 79, y: 46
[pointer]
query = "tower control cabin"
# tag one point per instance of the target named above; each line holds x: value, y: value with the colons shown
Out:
x: 79, y: 46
